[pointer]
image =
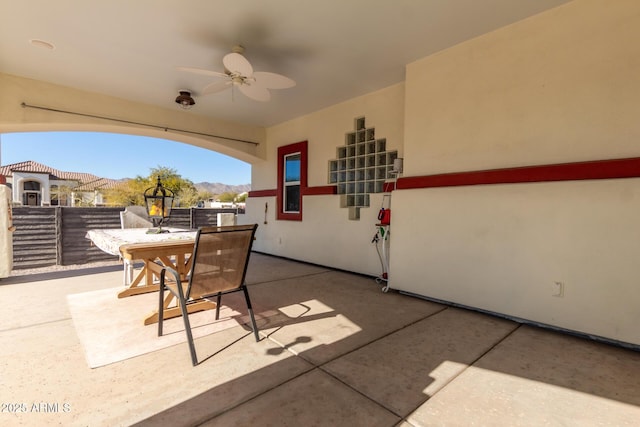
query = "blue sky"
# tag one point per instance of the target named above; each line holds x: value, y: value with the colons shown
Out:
x: 121, y: 156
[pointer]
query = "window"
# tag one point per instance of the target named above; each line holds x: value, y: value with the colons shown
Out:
x: 291, y: 183
x: 292, y: 180
x: 31, y: 186
x: 58, y: 196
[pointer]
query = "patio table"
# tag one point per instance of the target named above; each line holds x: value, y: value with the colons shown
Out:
x: 172, y: 249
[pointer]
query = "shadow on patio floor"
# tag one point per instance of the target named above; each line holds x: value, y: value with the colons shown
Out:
x: 340, y: 352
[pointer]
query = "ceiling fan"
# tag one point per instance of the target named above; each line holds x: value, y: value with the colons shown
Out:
x: 238, y: 73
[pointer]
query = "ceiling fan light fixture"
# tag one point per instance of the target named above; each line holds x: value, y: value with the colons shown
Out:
x: 184, y: 100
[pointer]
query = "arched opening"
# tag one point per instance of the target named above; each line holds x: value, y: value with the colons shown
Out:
x: 83, y: 162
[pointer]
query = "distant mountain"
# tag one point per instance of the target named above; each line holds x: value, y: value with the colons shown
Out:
x: 218, y: 188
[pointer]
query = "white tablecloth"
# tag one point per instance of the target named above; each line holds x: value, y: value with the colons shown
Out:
x: 110, y: 240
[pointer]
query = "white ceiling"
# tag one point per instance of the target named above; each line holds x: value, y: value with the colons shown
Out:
x: 334, y: 49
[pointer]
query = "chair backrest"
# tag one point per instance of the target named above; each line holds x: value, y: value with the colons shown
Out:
x: 134, y: 217
x: 220, y: 259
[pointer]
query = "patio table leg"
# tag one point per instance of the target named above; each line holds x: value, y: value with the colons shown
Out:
x: 136, y: 288
x: 147, y: 279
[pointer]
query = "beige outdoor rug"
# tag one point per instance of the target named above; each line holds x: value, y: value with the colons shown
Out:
x: 112, y: 329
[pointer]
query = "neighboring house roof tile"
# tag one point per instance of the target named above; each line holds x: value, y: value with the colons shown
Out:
x: 98, y: 184
x: 29, y: 166
x: 86, y: 181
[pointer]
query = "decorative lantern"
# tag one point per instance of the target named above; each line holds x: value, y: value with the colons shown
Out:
x: 158, y: 201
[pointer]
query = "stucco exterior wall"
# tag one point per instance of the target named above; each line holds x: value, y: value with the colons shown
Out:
x: 325, y: 236
x: 559, y: 87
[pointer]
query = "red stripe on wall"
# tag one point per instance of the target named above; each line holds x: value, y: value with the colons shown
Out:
x: 599, y: 169
x: 320, y: 190
x: 309, y: 191
x: 263, y: 193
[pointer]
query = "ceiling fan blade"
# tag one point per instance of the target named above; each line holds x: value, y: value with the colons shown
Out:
x: 237, y: 64
x: 273, y: 80
x: 216, y: 87
x: 202, y: 72
x: 257, y: 93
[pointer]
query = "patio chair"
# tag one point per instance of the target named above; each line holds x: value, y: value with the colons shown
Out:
x: 220, y: 259
x: 132, y: 217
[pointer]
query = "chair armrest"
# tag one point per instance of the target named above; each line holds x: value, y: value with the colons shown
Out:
x: 162, y: 271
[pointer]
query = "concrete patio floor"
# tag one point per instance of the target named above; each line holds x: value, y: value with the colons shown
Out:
x: 339, y: 353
